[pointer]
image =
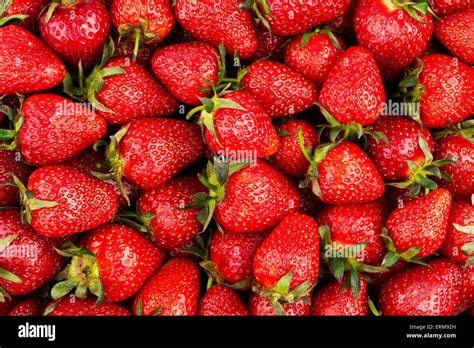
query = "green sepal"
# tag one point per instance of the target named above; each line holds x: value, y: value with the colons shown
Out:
x: 7, y: 275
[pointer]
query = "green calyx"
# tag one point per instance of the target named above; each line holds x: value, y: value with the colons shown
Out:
x: 464, y: 129
x: 4, y: 274
x: 82, y: 273
x: 13, y: 19
x: 468, y: 248
x: 415, y: 8
x: 140, y: 222
x: 139, y: 309
x: 255, y: 6
x: 410, y: 90
x: 420, y: 173
x: 139, y: 32
x: 9, y: 137
x: 393, y: 256
x: 324, y: 30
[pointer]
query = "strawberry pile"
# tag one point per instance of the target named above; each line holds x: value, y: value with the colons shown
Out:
x: 231, y: 157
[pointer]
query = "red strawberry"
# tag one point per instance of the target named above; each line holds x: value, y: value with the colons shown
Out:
x: 280, y: 90
x: 114, y: 261
x: 170, y: 225
x: 25, y: 255
x: 76, y: 30
x: 221, y: 301
x: 353, y: 90
x: 31, y: 9
x: 459, y: 242
x: 314, y: 54
x: 447, y: 7
x: 10, y: 163
x: 422, y: 290
x: 34, y: 67
x: 260, y: 306
x: 219, y: 21
x: 333, y: 300
x: 467, y: 289
x: 29, y: 307
x: 73, y: 306
x: 455, y: 32
x: 395, y: 32
x: 173, y: 290
x: 61, y: 201
x: 269, y: 46
x: 290, y: 159
x: 419, y: 227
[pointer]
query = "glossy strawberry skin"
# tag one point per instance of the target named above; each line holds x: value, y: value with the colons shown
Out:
x: 348, y: 176
x: 353, y: 90
x: 245, y: 133
x: 421, y: 222
x: 280, y: 90
x: 398, y: 39
x: 221, y: 301
x: 315, y: 59
x: 10, y: 163
x: 186, y: 69
x: 233, y: 254
x: 260, y: 306
x: 403, y: 135
x: 290, y: 159
x: 56, y: 129
x: 256, y: 199
x: 133, y: 95
x: 71, y: 306
x: 29, y: 256
x: 77, y: 33
x: 156, y: 149
x: 467, y: 289
x: 30, y: 8
x: 219, y: 21
x: 421, y: 290
x: 29, y: 307
x: 292, y: 245
x: 171, y: 225
x: 447, y: 7
x: 463, y: 174
x: 174, y: 288
x: 34, y: 68
x: 84, y: 202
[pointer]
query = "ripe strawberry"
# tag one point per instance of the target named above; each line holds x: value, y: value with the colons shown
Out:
x: 34, y: 67
x: 73, y: 306
x: 459, y: 242
x: 447, y: 7
x: 113, y: 262
x: 60, y: 201
x: 333, y: 300
x: 314, y: 54
x: 422, y: 290
x: 289, y: 17
x: 173, y: 290
x: 353, y: 91
x: 455, y: 33
x: 28, y: 8
x: 219, y: 21
x: 76, y: 30
x: 290, y: 159
x: 280, y: 90
x: 467, y: 288
x: 10, y: 163
x: 27, y: 260
x: 269, y: 46
x: 260, y: 306
x: 161, y: 211
x: 443, y: 87
x: 221, y: 300
x: 29, y: 307
x: 188, y: 70
x: 402, y: 32
x: 419, y: 227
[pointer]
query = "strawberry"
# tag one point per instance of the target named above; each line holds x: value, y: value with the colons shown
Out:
x: 44, y: 127
x: 269, y: 46
x: 219, y: 21
x: 29, y: 307
x: 221, y: 301
x: 60, y: 201
x: 335, y: 300
x: 289, y: 17
x: 459, y: 242
x: 353, y: 91
x: 34, y: 67
x: 76, y: 30
x: 10, y: 163
x: 455, y: 33
x: 260, y: 306
x: 73, y: 306
x: 187, y: 70
x: 443, y: 88
x: 125, y: 48
x: 280, y: 90
x: 290, y: 159
x: 173, y: 290
x: 314, y: 54
x: 286, y: 264
x: 181, y: 251
x: 447, y: 7
x: 161, y: 210
x: 30, y: 9
x: 467, y: 288
x: 421, y: 290
x: 27, y: 260
x: 402, y: 32
x: 113, y: 262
